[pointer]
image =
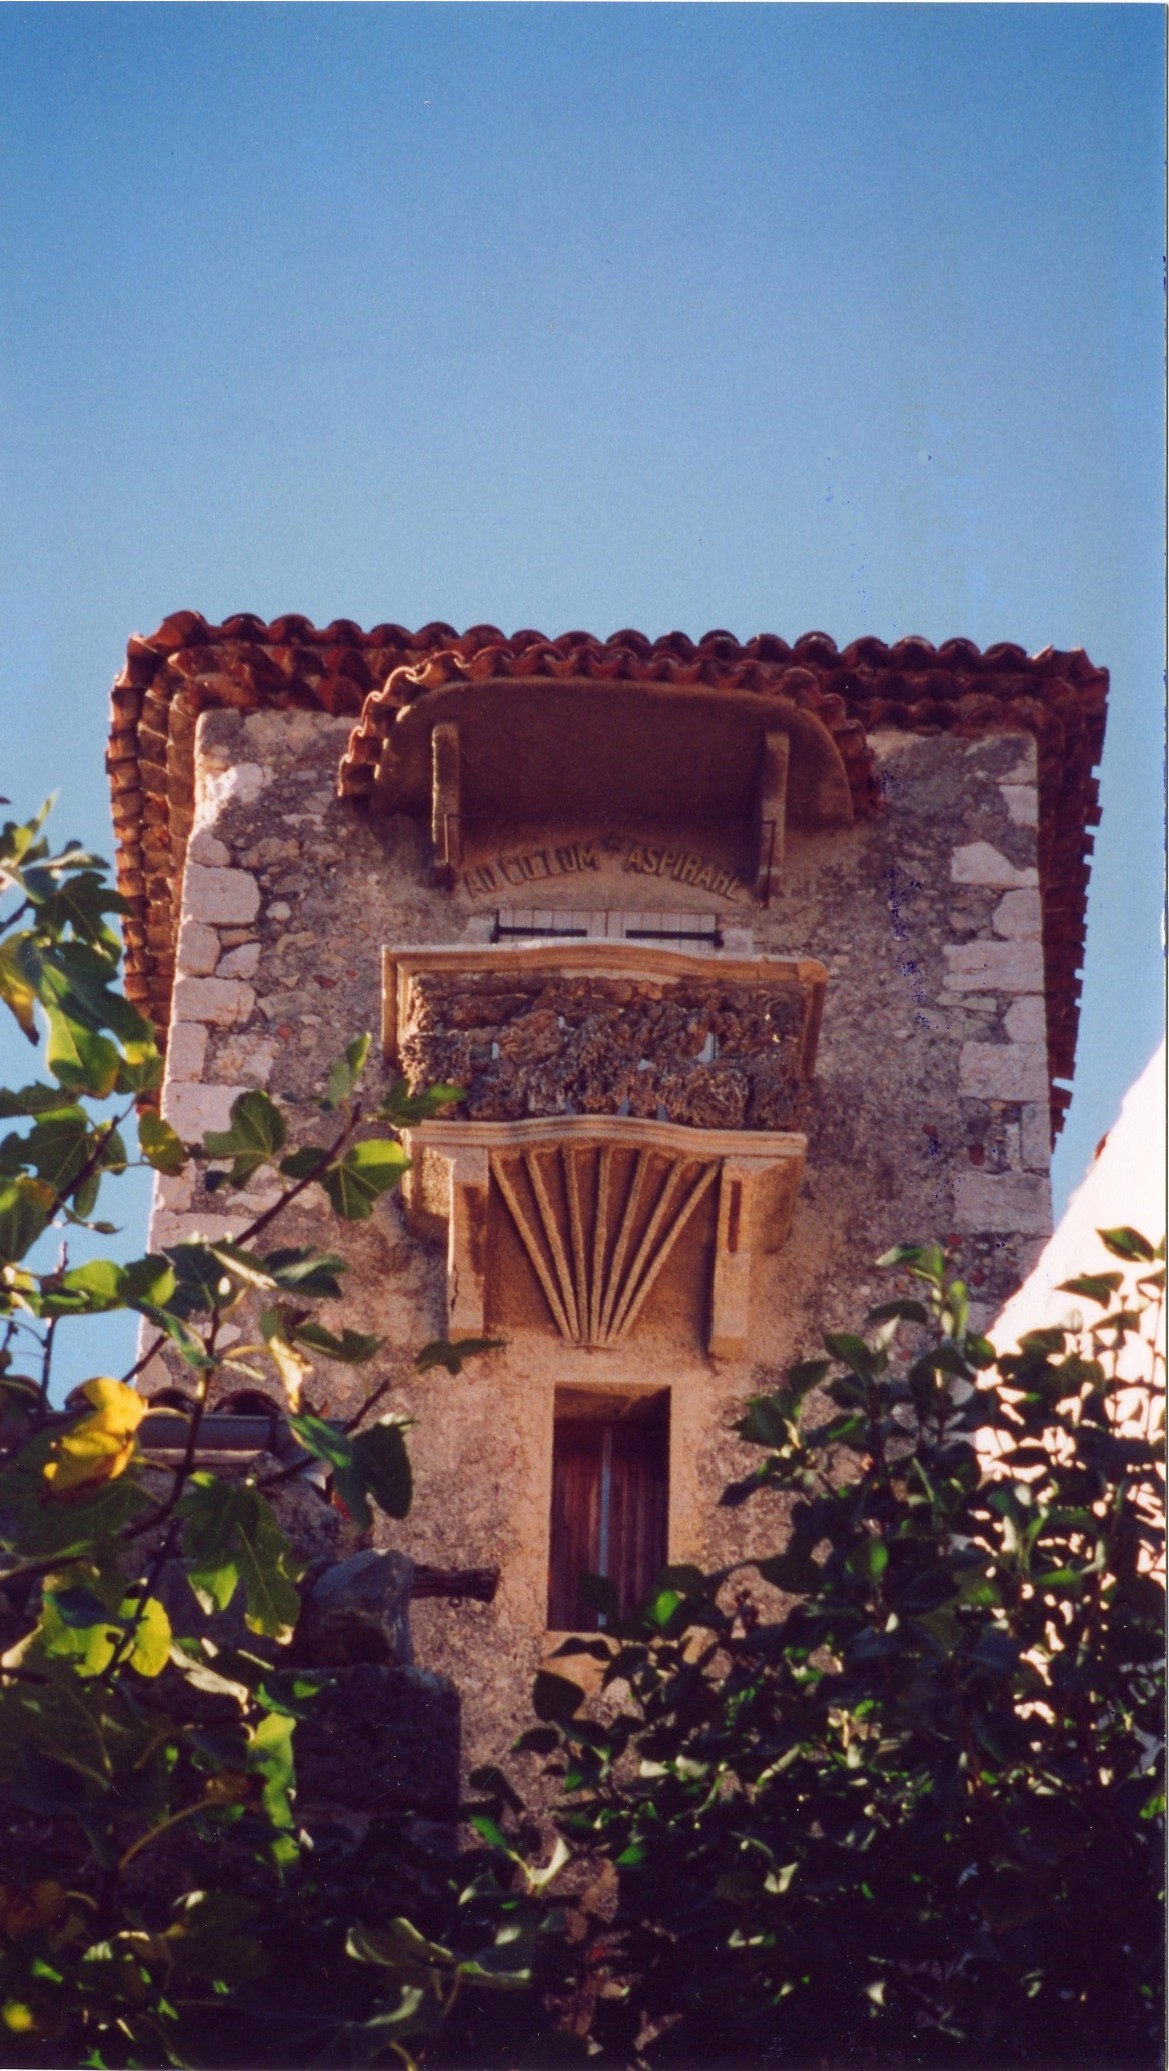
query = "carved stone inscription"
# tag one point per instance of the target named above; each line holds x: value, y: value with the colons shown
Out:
x: 702, y: 1051
x: 671, y: 863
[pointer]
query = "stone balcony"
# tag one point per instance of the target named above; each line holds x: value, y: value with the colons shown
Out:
x: 607, y: 1028
x: 629, y: 1139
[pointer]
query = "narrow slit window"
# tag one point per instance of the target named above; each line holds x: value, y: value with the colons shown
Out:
x: 610, y: 1498
x: 670, y: 930
x: 668, y: 935
x: 505, y: 930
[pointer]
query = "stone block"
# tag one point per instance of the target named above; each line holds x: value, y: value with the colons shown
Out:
x: 358, y: 1610
x: 1009, y: 1203
x: 217, y: 1000
x: 249, y: 1057
x: 1036, y: 1137
x: 1019, y: 915
x: 186, y: 1050
x: 198, y: 951
x: 207, y: 1227
x: 999, y: 966
x: 172, y: 1192
x: 1026, y: 1018
x: 204, y: 848
x: 979, y: 863
x: 193, y: 1109
x: 241, y: 962
x: 1002, y: 1071
x: 227, y: 898
x: 1022, y: 803
x: 381, y: 1740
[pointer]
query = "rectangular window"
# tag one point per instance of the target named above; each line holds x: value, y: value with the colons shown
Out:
x: 671, y: 930
x: 610, y: 1495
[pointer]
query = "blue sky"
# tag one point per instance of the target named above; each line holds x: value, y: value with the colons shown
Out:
x: 770, y: 317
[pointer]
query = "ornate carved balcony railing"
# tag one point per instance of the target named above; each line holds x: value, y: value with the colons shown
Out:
x: 607, y: 1027
x: 629, y: 1138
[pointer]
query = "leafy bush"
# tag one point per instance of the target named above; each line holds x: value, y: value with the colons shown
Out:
x: 912, y: 1813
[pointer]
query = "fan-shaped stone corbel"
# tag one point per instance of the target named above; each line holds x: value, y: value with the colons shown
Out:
x: 598, y: 1205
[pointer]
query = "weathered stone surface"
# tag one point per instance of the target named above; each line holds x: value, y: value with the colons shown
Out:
x: 193, y: 1109
x: 1014, y: 1201
x: 1003, y: 1071
x: 1019, y: 914
x: 217, y: 1000
x: 382, y: 1740
x: 980, y: 863
x: 247, y: 1056
x: 1005, y: 966
x: 359, y: 1610
x: 1022, y: 803
x: 198, y: 951
x: 206, y: 1224
x: 186, y: 1050
x: 229, y: 898
x: 242, y: 962
x: 1035, y: 1134
x: 1026, y: 1019
x: 204, y: 848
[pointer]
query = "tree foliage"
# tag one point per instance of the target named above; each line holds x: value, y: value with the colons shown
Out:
x: 913, y: 1812
x: 136, y: 1749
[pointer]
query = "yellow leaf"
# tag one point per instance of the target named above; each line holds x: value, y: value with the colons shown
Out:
x: 15, y: 987
x: 84, y: 1461
x: 102, y: 1445
x: 152, y: 1639
x: 290, y: 1366
x: 119, y: 1408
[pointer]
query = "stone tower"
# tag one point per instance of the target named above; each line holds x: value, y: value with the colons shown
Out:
x: 750, y: 960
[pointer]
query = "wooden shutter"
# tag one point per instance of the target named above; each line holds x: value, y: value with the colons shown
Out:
x: 610, y: 1493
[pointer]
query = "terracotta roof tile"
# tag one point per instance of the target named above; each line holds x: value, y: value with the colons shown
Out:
x: 189, y: 665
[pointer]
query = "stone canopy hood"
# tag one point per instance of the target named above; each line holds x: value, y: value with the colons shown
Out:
x: 573, y: 749
x: 716, y: 702
x: 545, y: 740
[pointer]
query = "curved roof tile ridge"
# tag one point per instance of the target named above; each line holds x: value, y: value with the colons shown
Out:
x: 189, y: 664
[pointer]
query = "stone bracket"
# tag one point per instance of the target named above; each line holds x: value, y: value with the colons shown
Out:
x: 731, y: 1290
x: 446, y: 804
x: 594, y: 1257
x: 470, y: 1176
x: 771, y: 814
